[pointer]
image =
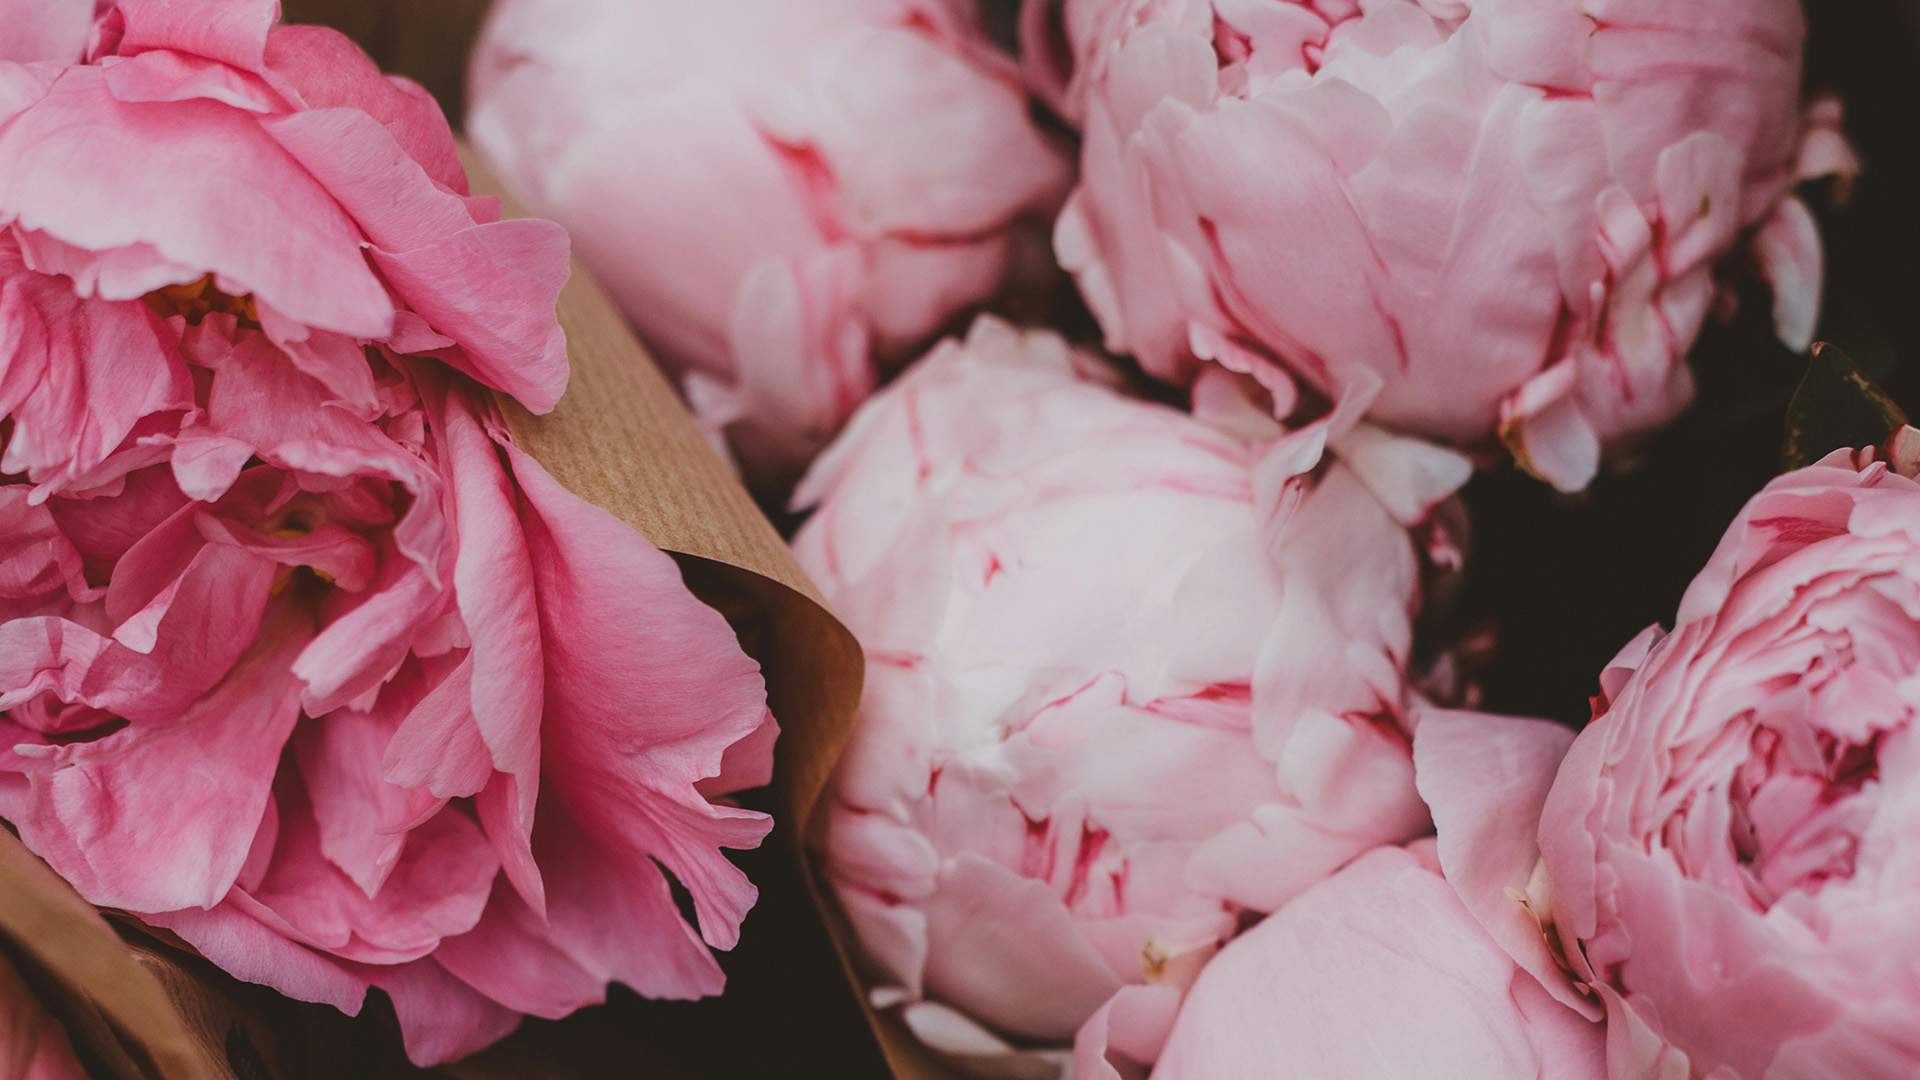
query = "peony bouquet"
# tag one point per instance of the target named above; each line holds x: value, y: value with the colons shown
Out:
x: 1181, y: 406
x: 302, y: 659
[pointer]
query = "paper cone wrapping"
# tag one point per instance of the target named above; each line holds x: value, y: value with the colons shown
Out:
x: 139, y: 1003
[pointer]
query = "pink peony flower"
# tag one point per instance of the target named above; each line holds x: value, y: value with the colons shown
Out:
x: 1377, y: 972
x: 300, y: 657
x: 1490, y: 216
x: 784, y: 197
x: 1130, y: 674
x: 1725, y: 861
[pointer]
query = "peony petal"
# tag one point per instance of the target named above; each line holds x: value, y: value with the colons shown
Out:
x: 164, y: 75
x: 371, y: 176
x: 77, y: 377
x: 505, y: 815
x: 441, y: 1018
x: 492, y: 288
x: 261, y: 399
x: 36, y: 558
x: 233, y: 33
x: 1788, y: 248
x: 53, y: 30
x: 509, y: 958
x: 323, y: 68
x: 612, y: 914
x: 437, y: 746
x: 747, y: 764
x: 881, y: 168
x: 362, y: 648
x: 1133, y: 1026
x: 616, y: 617
x: 1006, y: 945
x: 247, y: 949
x: 1486, y: 779
x: 104, y: 529
x: 494, y: 588
x: 437, y: 890
x: 1385, y: 937
x: 126, y: 842
x: 70, y: 163
x: 362, y: 818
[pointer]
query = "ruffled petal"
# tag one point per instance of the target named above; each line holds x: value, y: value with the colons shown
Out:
x: 124, y: 841
x: 617, y: 619
x: 100, y: 175
x: 442, y: 1019
x: 248, y: 949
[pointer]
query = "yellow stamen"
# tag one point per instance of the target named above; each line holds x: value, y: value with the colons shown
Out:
x: 196, y: 299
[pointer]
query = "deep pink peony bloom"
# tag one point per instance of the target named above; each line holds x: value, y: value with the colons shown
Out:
x: 784, y: 197
x: 300, y: 657
x: 1130, y: 674
x: 1377, y: 973
x: 1497, y: 215
x: 1726, y: 860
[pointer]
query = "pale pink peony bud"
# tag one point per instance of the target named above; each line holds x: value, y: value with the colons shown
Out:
x: 784, y: 197
x: 1501, y: 216
x: 1131, y: 674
